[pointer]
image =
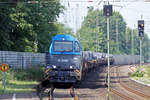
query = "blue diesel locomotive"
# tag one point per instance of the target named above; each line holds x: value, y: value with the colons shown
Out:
x: 64, y: 60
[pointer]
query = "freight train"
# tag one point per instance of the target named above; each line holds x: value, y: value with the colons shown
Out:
x: 67, y: 64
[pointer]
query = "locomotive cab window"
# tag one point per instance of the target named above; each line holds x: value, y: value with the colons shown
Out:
x: 77, y: 47
x: 63, y: 46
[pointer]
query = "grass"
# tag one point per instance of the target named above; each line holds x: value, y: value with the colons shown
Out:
x: 137, y: 74
x: 14, y: 86
x: 148, y: 71
x: 142, y: 76
x: 21, y: 81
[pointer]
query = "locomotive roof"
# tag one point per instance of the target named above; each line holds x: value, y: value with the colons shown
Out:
x: 65, y: 36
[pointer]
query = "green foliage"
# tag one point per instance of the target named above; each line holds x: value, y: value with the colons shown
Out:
x: 148, y: 71
x: 62, y: 29
x: 21, y: 81
x: 35, y: 73
x: 15, y: 86
x: 9, y: 76
x: 89, y: 32
x: 29, y: 74
x: 28, y: 26
x: 137, y: 74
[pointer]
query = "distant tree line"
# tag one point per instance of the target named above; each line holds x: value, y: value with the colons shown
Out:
x: 89, y: 32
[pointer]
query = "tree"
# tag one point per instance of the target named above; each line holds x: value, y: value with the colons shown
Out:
x: 88, y: 35
x: 28, y: 26
x: 88, y: 29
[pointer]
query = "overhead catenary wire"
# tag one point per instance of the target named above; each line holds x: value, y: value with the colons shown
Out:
x: 36, y: 1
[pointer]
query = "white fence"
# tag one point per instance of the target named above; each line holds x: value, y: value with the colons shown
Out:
x: 27, y: 60
x: 22, y: 59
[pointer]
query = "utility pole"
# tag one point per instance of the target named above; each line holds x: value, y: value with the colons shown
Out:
x: 149, y: 52
x: 76, y: 21
x: 140, y: 53
x: 97, y: 27
x: 126, y: 35
x: 117, y: 43
x: 132, y: 43
x: 97, y: 30
x: 108, y: 63
x: 108, y: 12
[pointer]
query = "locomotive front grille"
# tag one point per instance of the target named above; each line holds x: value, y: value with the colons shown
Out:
x: 63, y: 76
x: 63, y: 73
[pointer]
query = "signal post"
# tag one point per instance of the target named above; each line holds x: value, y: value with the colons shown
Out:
x: 107, y: 11
x: 141, y: 36
x: 4, y: 68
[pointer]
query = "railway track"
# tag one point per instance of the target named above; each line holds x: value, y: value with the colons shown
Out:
x: 138, y: 95
x: 137, y: 92
x: 73, y: 94
x: 47, y: 94
x: 91, y: 88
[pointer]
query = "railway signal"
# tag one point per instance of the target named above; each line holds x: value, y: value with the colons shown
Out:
x: 141, y: 35
x: 141, y: 28
x: 107, y: 11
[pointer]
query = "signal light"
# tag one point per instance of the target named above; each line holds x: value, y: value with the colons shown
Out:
x: 107, y: 10
x: 141, y: 28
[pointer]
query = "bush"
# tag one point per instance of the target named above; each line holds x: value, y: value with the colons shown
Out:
x: 137, y: 74
x: 35, y: 73
x: 9, y: 75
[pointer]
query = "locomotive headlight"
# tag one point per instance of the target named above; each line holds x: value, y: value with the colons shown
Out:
x: 54, y: 66
x: 71, y: 67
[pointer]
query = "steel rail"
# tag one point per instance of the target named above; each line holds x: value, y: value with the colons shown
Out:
x: 130, y: 89
x: 114, y: 91
x: 72, y: 93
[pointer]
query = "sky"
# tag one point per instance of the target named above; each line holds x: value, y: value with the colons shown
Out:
x: 131, y: 10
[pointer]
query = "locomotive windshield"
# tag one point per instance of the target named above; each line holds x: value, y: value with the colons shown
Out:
x: 63, y: 46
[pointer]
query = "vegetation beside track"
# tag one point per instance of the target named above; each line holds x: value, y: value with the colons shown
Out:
x: 21, y: 81
x: 143, y: 75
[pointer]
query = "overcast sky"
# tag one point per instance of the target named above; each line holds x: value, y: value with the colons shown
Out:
x: 131, y: 12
